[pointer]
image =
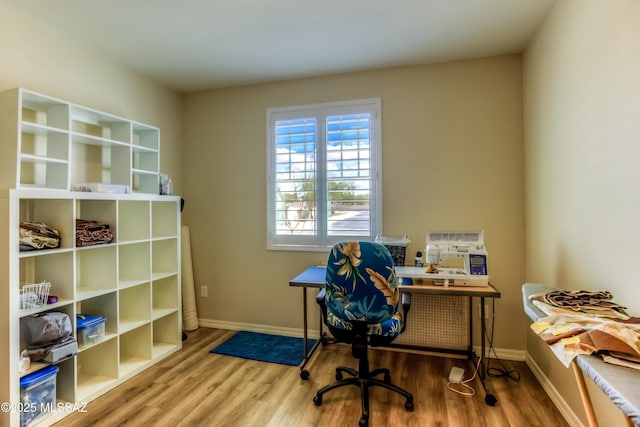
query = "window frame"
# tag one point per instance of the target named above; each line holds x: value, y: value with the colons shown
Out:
x: 321, y: 241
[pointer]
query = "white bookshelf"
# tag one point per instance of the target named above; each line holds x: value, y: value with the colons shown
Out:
x: 134, y: 281
x: 61, y: 145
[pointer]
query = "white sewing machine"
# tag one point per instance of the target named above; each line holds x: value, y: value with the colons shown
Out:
x: 456, y: 258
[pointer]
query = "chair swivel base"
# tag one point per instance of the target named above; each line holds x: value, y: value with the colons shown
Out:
x: 364, y: 382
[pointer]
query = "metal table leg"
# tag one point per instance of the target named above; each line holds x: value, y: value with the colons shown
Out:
x: 306, y: 354
x: 489, y: 398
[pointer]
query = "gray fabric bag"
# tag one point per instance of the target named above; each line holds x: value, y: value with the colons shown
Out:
x: 40, y: 332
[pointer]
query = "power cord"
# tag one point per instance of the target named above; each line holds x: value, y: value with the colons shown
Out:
x: 503, y: 371
x: 468, y: 390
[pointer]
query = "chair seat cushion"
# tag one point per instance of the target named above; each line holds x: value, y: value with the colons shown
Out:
x: 389, y: 328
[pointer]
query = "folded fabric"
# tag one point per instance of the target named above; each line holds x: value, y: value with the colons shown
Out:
x: 594, y: 302
x: 37, y: 235
x: 570, y: 334
x: 92, y: 233
x: 622, y: 360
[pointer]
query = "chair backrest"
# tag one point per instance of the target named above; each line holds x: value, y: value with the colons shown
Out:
x: 361, y: 282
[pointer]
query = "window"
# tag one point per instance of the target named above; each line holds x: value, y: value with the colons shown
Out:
x: 324, y: 175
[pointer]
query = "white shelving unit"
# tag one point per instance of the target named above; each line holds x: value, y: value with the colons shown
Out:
x: 62, y: 145
x: 134, y: 281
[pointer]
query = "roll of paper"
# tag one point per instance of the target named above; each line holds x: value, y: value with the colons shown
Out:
x: 189, y: 310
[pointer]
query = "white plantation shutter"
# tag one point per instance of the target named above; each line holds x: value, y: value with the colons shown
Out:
x: 295, y: 176
x: 349, y: 174
x: 324, y: 174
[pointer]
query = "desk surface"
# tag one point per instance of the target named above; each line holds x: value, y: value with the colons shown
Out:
x: 314, y: 277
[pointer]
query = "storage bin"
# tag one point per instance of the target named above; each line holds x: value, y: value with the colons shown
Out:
x: 397, y: 248
x: 90, y: 329
x: 37, y: 394
x: 398, y: 254
x: 34, y: 295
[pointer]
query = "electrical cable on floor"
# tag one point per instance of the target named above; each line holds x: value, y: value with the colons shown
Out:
x: 469, y: 391
x: 503, y: 371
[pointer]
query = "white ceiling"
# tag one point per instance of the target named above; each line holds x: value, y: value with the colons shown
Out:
x: 193, y: 45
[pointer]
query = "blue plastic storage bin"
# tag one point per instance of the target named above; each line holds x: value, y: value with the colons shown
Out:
x: 37, y: 394
x: 90, y: 329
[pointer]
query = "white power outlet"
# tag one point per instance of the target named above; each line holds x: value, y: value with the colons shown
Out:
x: 204, y: 291
x: 486, y: 311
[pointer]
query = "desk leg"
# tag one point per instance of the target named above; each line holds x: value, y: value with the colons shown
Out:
x: 483, y: 370
x: 470, y: 354
x: 306, y: 354
x: 305, y: 326
x: 489, y: 398
x: 304, y: 374
x: 483, y: 364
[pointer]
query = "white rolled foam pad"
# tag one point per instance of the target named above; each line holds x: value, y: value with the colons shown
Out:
x: 189, y: 310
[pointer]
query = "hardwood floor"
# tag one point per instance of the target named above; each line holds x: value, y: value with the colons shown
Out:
x: 196, y: 388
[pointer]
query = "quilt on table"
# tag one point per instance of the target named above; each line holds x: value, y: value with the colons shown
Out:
x: 570, y: 333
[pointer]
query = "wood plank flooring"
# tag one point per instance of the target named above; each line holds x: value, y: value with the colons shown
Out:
x: 196, y: 388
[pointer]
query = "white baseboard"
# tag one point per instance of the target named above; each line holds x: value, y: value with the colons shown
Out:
x: 254, y: 327
x: 553, y: 394
x: 502, y: 353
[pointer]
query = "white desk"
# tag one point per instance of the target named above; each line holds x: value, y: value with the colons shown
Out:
x: 314, y: 277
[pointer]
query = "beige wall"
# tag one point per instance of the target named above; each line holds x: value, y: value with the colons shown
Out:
x: 38, y: 61
x: 581, y: 109
x: 452, y: 159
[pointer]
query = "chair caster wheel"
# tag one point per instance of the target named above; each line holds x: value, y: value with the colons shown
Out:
x: 304, y: 374
x: 317, y: 400
x: 409, y: 406
x: 364, y: 422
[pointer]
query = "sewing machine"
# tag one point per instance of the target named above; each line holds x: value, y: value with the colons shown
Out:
x: 456, y: 258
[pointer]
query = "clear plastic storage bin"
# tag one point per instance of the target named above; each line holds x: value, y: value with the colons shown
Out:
x: 37, y: 394
x: 90, y: 329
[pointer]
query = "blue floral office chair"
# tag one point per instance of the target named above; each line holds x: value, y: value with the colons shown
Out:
x: 360, y: 303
